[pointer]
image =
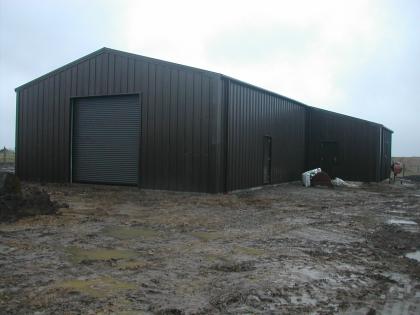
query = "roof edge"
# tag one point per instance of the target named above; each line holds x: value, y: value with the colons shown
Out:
x: 386, y: 128
x: 72, y: 63
x: 155, y: 60
x: 347, y: 116
x: 222, y: 76
x: 112, y: 51
x: 226, y: 77
x: 300, y: 103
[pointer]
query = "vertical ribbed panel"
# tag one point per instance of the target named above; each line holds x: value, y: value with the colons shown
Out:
x: 181, y: 111
x: 106, y: 137
x: 358, y: 142
x: 199, y: 132
x: 253, y: 114
x: 385, y: 157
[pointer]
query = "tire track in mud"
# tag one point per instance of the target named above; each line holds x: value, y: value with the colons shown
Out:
x: 278, y: 249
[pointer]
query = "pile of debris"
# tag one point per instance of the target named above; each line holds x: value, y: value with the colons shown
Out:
x: 17, y: 202
x: 317, y: 177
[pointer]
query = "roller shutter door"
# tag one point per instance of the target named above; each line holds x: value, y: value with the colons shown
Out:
x: 106, y: 137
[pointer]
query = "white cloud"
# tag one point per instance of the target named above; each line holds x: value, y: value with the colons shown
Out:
x: 338, y: 35
x: 358, y: 57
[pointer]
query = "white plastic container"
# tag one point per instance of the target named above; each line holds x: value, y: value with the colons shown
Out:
x: 306, y: 177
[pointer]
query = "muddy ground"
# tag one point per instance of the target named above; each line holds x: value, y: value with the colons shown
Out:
x: 281, y: 249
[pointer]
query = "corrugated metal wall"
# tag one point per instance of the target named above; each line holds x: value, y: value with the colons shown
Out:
x: 106, y: 136
x: 253, y: 113
x: 201, y: 131
x: 386, y: 158
x: 180, y: 119
x: 358, y: 144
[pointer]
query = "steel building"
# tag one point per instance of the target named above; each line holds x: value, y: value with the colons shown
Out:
x: 118, y: 118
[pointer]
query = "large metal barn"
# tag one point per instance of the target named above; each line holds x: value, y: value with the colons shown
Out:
x: 117, y: 118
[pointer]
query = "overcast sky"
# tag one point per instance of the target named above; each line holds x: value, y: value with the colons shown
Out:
x: 360, y: 58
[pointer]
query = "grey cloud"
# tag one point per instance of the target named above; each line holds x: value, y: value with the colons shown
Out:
x: 378, y: 82
x: 253, y: 43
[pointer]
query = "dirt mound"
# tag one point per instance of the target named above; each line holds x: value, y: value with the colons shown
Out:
x: 9, y: 183
x: 28, y: 201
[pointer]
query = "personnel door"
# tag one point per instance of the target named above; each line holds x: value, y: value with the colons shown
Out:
x: 329, y: 157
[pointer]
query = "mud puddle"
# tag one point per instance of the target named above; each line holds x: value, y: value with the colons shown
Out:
x: 280, y: 249
x: 130, y: 232
x: 401, y: 222
x: 414, y: 255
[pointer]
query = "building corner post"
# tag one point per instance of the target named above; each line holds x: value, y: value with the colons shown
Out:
x: 17, y: 134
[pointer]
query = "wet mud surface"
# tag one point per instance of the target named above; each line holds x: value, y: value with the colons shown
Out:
x: 281, y: 249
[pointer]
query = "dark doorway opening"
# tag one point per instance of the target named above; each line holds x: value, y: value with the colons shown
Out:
x: 267, y: 160
x: 329, y: 157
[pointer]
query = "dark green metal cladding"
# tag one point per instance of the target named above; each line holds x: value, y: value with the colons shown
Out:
x: 386, y: 154
x: 180, y: 113
x: 254, y: 114
x: 356, y: 142
x: 106, y: 140
x: 17, y: 133
x: 200, y: 130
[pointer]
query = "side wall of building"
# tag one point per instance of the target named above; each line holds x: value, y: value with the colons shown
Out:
x: 199, y: 131
x: 251, y: 115
x: 181, y: 109
x: 386, y: 157
x: 356, y: 142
